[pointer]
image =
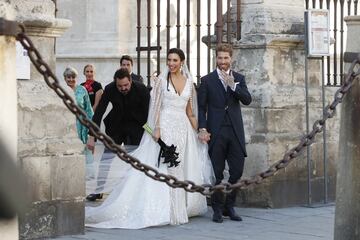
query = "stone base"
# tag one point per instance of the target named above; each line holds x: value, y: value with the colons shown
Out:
x: 278, y: 194
x: 9, y: 229
x: 52, y: 218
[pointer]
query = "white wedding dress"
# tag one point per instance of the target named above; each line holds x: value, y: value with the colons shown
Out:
x: 139, y: 201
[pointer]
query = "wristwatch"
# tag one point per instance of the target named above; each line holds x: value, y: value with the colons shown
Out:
x: 202, y: 130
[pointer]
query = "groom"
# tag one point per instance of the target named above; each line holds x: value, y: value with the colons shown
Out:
x: 221, y: 125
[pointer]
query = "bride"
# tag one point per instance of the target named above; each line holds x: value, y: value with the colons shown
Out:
x: 139, y: 201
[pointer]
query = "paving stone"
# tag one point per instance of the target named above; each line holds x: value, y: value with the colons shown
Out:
x: 297, y: 223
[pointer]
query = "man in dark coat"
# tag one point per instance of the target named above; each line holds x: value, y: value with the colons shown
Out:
x: 127, y: 62
x: 221, y: 125
x: 130, y: 106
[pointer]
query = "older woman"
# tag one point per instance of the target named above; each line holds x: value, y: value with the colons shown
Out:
x: 93, y: 87
x: 82, y: 100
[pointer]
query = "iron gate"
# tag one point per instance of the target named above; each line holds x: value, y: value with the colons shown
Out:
x: 185, y: 18
x: 334, y: 64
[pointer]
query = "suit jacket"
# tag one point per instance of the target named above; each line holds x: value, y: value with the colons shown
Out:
x: 137, y: 78
x: 214, y: 102
x: 129, y: 110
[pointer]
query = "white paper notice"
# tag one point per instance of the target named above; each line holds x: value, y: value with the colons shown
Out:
x: 319, y: 36
x: 22, y: 63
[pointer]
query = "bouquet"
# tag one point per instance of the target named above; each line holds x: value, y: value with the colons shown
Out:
x: 167, y: 152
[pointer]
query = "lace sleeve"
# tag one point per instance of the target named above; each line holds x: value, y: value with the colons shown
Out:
x: 155, y: 103
x: 193, y: 96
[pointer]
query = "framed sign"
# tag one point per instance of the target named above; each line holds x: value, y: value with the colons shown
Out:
x: 317, y: 30
x: 22, y: 62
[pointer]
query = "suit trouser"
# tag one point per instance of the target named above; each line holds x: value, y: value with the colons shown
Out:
x: 226, y: 147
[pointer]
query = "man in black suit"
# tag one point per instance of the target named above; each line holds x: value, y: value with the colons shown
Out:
x: 127, y: 62
x: 130, y: 106
x: 221, y: 125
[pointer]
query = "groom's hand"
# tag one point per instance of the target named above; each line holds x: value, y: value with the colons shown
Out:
x: 228, y: 79
x: 204, y: 135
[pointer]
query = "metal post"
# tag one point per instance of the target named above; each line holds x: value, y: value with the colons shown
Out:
x: 349, y: 7
x: 328, y: 82
x: 168, y: 25
x: 355, y: 6
x: 238, y: 20
x: 138, y: 34
x: 208, y: 35
x: 341, y: 40
x: 149, y: 40
x: 219, y: 22
x: 178, y: 25
x: 324, y: 133
x: 198, y: 35
x: 228, y: 22
x: 188, y: 33
x: 158, y: 37
x: 308, y: 152
x: 335, y: 47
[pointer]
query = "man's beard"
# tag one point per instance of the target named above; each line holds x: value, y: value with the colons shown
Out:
x: 124, y: 92
x: 222, y: 67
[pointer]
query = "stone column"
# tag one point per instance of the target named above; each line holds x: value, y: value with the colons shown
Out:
x: 347, y: 214
x: 48, y: 147
x: 99, y: 35
x: 8, y: 124
x: 272, y: 58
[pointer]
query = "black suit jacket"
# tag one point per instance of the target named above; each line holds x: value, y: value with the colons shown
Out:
x: 214, y: 102
x: 128, y: 111
x: 137, y: 78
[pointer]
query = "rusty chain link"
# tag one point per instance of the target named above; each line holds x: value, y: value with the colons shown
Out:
x: 172, y: 181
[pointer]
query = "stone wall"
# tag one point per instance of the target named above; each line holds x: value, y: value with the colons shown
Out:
x: 8, y: 126
x: 271, y: 56
x: 347, y: 213
x: 49, y: 151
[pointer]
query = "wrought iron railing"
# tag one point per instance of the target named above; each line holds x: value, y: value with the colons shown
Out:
x: 185, y: 18
x: 338, y: 9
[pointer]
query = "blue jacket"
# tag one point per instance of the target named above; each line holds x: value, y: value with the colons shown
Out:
x: 214, y: 101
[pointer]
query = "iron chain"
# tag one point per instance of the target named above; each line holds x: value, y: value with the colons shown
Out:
x: 172, y: 181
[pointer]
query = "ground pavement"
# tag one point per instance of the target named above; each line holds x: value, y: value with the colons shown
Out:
x: 296, y: 223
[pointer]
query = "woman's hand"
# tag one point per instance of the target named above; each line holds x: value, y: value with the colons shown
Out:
x: 204, y: 135
x: 91, y: 144
x: 156, y: 134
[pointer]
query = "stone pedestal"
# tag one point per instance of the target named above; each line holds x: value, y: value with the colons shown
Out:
x: 8, y: 112
x: 271, y: 56
x: 347, y: 214
x: 49, y: 151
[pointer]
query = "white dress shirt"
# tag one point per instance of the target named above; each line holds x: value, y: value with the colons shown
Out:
x: 223, y: 81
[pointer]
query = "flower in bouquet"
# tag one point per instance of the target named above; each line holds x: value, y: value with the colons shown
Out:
x: 167, y: 152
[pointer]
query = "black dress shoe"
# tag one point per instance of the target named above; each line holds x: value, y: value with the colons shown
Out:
x: 92, y: 197
x: 217, y: 217
x: 232, y: 214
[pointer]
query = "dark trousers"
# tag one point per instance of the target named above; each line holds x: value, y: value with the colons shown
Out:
x: 129, y: 135
x: 226, y: 147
